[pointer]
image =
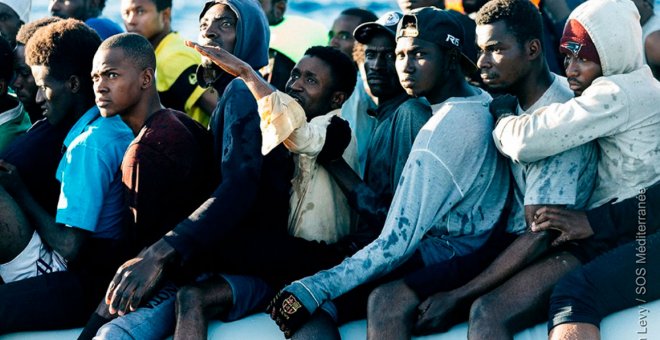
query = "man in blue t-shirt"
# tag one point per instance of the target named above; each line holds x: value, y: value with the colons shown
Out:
x: 61, y: 264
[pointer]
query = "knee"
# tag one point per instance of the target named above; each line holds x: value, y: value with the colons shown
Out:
x: 391, y: 301
x: 111, y: 331
x: 483, y: 312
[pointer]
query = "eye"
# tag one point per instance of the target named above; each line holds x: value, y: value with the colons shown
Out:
x: 311, y: 80
x: 203, y: 26
x: 419, y: 54
x: 369, y: 54
x: 344, y: 36
x: 400, y: 55
x: 389, y: 56
x: 112, y: 75
x: 226, y: 24
x: 140, y: 11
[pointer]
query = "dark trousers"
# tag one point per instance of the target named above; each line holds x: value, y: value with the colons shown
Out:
x: 64, y: 299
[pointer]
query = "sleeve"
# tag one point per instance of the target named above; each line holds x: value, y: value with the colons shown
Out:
x: 412, y: 119
x: 240, y: 166
x: 84, y: 183
x: 283, y: 120
x: 601, y: 111
x: 425, y: 192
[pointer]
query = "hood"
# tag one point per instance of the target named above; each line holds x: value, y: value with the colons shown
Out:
x: 252, y: 32
x: 614, y: 27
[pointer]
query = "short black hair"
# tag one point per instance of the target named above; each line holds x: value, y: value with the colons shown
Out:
x: 363, y: 14
x: 136, y: 48
x: 162, y: 4
x: 28, y: 30
x: 67, y: 48
x: 521, y: 17
x: 342, y: 68
x: 6, y: 60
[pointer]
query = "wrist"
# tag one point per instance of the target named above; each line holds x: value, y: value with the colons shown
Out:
x: 162, y: 252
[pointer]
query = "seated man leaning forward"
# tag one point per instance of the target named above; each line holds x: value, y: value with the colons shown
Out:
x: 512, y: 61
x: 616, y: 105
x: 85, y: 235
x: 299, y: 119
x: 451, y: 194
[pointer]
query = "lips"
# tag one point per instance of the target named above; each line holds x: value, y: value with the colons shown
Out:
x: 102, y: 102
x: 296, y: 98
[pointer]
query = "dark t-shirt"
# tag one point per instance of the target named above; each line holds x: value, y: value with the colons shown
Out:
x: 36, y: 154
x: 167, y: 171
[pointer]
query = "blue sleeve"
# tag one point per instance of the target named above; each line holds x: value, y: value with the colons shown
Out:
x: 86, y: 174
x: 235, y: 124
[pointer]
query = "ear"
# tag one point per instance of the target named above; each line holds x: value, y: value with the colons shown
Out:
x: 73, y: 84
x: 167, y: 15
x: 147, y: 78
x: 337, y: 100
x: 534, y: 49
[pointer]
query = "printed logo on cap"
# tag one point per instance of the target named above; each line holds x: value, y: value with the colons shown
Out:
x: 572, y: 46
x: 390, y: 19
x: 453, y: 40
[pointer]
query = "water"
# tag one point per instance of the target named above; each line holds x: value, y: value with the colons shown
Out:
x: 186, y: 13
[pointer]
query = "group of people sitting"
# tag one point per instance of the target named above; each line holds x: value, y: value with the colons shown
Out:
x: 425, y: 169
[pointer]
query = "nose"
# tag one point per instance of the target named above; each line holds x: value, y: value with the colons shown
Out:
x: 380, y: 62
x: 334, y: 42
x: 483, y: 61
x: 572, y: 69
x: 129, y: 19
x: 40, y: 98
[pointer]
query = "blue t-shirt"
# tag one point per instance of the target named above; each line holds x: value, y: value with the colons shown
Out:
x: 104, y: 27
x: 91, y: 195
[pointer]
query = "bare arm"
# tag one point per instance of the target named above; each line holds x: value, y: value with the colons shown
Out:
x: 208, y: 101
x: 63, y: 239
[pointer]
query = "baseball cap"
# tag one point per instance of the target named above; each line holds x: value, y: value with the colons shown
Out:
x: 386, y: 23
x: 436, y: 26
x: 21, y: 7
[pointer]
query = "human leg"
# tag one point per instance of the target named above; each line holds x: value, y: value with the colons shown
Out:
x: 519, y: 302
x: 154, y: 320
x: 320, y: 326
x: 391, y: 311
x: 619, y: 279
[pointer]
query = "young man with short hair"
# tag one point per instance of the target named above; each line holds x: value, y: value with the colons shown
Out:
x: 84, y: 240
x: 439, y: 210
x: 617, y: 106
x: 169, y: 147
x: 509, y: 34
x: 14, y: 120
x: 176, y: 64
x: 88, y: 11
x: 341, y: 32
x: 23, y: 83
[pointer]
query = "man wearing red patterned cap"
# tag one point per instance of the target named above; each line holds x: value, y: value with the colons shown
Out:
x: 617, y: 106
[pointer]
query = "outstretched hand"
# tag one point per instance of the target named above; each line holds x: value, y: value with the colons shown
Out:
x: 436, y: 314
x: 288, y: 312
x: 136, y: 280
x: 219, y: 56
x: 571, y: 224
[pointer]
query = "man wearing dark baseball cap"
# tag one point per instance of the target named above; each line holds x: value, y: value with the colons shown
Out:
x: 451, y: 192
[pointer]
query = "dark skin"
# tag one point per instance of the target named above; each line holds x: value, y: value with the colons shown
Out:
x: 520, y: 70
x: 66, y: 240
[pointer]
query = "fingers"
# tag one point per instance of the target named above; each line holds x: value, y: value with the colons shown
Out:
x: 110, y: 293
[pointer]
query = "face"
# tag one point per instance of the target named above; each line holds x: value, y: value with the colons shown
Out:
x: 54, y: 96
x: 421, y: 66
x: 341, y: 35
x: 76, y: 9
x: 580, y: 73
x: 218, y: 28
x: 407, y: 5
x: 379, y: 65
x: 310, y: 85
x: 23, y: 85
x: 142, y: 17
x: 502, y: 60
x: 117, y: 82
x: 273, y: 11
x: 9, y: 23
